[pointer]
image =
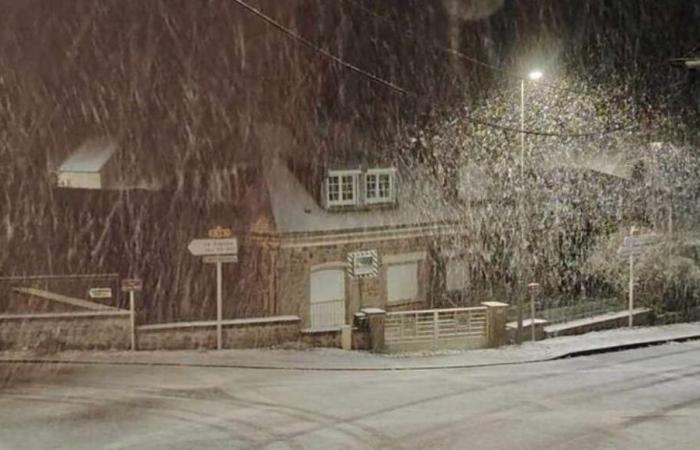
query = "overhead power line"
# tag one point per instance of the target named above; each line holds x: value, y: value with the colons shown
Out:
x: 398, y: 89
x: 458, y: 54
x: 302, y: 40
x: 616, y: 129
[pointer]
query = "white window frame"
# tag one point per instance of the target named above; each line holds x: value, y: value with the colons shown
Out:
x: 391, y: 172
x: 340, y: 174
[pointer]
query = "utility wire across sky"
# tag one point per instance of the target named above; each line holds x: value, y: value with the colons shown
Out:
x: 457, y: 53
x: 404, y: 92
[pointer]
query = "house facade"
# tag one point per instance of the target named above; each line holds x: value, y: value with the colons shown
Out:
x: 349, y: 236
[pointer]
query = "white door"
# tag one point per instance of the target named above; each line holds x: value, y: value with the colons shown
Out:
x: 327, y: 298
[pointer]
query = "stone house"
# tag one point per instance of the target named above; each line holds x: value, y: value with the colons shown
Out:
x: 347, y: 235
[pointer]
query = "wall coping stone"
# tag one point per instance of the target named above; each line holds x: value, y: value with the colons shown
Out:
x: 212, y: 323
x: 66, y: 315
x: 494, y: 304
x: 370, y: 311
x: 322, y: 330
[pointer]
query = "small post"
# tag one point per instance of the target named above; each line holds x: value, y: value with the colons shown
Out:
x: 533, y: 289
x: 219, y: 305
x: 532, y: 317
x: 631, y: 286
x: 631, y: 297
x: 436, y: 329
x: 519, y: 330
x: 132, y: 309
x: 346, y: 337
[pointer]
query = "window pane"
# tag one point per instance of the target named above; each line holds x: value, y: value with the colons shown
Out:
x: 348, y: 187
x: 333, y: 188
x: 384, y: 185
x: 371, y: 186
x: 402, y: 282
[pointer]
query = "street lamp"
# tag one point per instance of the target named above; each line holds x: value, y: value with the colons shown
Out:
x: 534, y: 75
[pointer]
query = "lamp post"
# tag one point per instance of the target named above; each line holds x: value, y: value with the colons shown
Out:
x: 534, y: 75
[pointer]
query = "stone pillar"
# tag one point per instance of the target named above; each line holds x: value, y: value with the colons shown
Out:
x: 376, y: 316
x: 346, y: 337
x: 496, y: 334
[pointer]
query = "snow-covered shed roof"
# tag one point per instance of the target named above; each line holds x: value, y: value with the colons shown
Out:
x: 420, y: 202
x: 91, y: 156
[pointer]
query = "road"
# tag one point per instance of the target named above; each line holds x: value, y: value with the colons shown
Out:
x: 639, y: 399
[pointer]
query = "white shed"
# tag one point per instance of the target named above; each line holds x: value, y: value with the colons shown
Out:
x: 87, y: 167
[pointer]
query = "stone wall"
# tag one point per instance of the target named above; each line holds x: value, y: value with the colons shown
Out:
x: 642, y: 317
x: 54, y: 332
x: 242, y: 333
x: 330, y: 338
x: 294, y: 264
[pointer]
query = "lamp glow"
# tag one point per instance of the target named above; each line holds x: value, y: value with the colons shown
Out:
x: 535, y: 75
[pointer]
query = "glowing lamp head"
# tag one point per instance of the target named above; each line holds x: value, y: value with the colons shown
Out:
x: 535, y: 75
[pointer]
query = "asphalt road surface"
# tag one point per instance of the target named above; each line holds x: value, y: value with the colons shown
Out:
x: 640, y: 399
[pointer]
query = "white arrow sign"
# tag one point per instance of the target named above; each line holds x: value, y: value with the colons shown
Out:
x: 637, y: 245
x: 207, y: 247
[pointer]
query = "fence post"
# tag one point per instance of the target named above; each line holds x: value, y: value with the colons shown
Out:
x: 436, y: 329
x: 495, y: 324
x: 132, y: 309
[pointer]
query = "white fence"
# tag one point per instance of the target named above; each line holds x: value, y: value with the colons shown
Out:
x: 433, y: 329
x: 327, y: 314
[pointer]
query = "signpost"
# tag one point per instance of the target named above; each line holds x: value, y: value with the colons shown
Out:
x: 132, y: 285
x: 100, y: 293
x: 217, y: 250
x: 635, y: 246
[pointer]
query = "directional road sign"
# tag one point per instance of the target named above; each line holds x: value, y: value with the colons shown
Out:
x: 207, y: 247
x: 637, y: 245
x: 220, y: 259
x: 100, y: 293
x: 132, y: 284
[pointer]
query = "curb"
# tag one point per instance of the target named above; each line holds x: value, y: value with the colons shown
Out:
x: 622, y: 347
x: 567, y: 355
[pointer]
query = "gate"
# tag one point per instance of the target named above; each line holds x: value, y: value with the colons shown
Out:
x: 433, y: 329
x: 59, y: 293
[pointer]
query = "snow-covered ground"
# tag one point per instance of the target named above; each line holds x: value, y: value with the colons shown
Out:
x: 640, y: 399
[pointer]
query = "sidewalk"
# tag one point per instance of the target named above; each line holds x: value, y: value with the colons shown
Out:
x: 339, y: 360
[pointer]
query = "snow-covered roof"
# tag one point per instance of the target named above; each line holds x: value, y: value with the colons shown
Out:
x: 420, y: 202
x: 91, y: 156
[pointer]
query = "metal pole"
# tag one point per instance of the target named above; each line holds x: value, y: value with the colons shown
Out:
x: 219, y: 305
x: 518, y: 335
x: 631, y: 305
x: 522, y: 131
x: 132, y: 308
x: 532, y: 317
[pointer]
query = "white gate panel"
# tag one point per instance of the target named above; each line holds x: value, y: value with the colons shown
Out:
x: 327, y: 298
x: 435, y: 329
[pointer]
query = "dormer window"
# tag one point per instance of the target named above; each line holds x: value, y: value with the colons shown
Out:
x: 341, y: 187
x: 379, y: 185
